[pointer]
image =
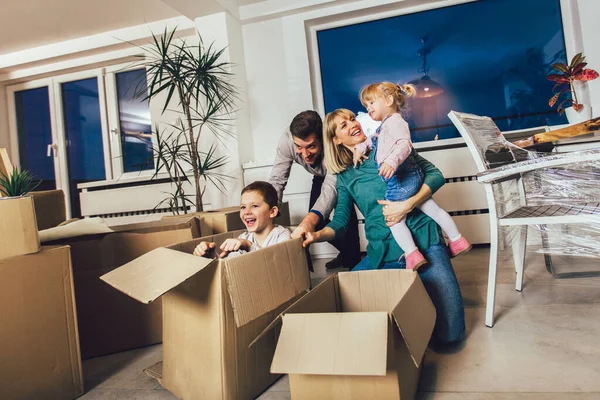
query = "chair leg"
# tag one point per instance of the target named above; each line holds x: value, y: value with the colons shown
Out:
x: 492, y: 273
x: 519, y: 247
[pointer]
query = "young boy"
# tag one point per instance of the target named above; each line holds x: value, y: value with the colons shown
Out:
x: 258, y: 208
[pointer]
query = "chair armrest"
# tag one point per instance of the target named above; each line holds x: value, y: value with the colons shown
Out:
x: 557, y: 160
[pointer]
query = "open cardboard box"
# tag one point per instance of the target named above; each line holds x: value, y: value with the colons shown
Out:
x: 228, y: 219
x: 213, y: 309
x: 357, y: 335
x: 50, y: 208
x: 109, y: 321
x: 39, y: 346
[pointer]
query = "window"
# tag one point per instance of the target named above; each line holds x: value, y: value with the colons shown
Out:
x: 491, y: 57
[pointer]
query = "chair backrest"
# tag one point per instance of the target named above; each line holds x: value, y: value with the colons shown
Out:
x: 488, y: 146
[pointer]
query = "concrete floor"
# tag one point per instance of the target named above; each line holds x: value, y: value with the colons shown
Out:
x: 545, y: 343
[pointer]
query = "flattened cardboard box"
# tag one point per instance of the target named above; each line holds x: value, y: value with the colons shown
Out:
x: 372, y: 328
x: 109, y: 321
x: 228, y: 219
x: 39, y: 346
x: 213, y: 309
x: 18, y: 227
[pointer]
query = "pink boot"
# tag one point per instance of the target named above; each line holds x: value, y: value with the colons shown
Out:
x: 415, y: 260
x: 461, y: 245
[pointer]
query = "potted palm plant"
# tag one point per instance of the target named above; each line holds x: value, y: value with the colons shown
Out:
x: 195, y: 78
x: 17, y: 183
x: 566, y: 77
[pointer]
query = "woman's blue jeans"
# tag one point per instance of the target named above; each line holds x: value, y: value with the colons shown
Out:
x: 441, y: 284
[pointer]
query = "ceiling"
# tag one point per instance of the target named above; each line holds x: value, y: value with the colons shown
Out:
x: 31, y: 23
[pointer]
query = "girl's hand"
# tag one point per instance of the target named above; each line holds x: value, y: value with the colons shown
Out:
x: 395, y: 211
x: 358, y: 157
x: 386, y: 171
x: 204, y: 248
x: 234, y: 244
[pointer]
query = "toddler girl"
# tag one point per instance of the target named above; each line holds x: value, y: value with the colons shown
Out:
x: 258, y: 208
x: 394, y: 156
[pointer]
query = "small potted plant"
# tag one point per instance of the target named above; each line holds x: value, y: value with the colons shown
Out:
x: 565, y: 83
x: 17, y: 183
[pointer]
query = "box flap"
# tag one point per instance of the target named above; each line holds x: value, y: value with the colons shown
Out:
x: 415, y: 316
x: 261, y: 281
x: 150, y: 276
x: 333, y: 344
x: 375, y: 290
x: 322, y: 299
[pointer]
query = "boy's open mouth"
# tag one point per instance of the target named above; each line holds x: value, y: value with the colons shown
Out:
x: 250, y: 222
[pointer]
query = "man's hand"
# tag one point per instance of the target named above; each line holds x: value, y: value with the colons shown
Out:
x: 234, y: 244
x: 395, y: 211
x: 204, y: 248
x: 308, y: 224
x: 386, y: 171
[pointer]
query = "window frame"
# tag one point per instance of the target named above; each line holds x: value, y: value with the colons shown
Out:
x: 571, y: 30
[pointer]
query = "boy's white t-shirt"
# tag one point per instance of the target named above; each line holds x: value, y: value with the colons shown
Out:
x: 278, y: 234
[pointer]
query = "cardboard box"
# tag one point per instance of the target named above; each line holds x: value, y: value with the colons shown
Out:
x: 228, y: 219
x: 357, y: 335
x: 50, y: 208
x: 213, y: 309
x: 18, y: 227
x: 39, y: 347
x: 109, y: 321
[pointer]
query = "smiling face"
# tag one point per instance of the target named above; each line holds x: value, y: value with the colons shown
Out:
x: 348, y: 131
x: 256, y: 213
x: 380, y: 107
x: 310, y: 149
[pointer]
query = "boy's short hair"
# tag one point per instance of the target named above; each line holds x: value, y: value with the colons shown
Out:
x: 266, y: 190
x: 305, y: 124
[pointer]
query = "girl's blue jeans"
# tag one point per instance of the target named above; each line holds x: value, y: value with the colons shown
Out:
x: 441, y: 284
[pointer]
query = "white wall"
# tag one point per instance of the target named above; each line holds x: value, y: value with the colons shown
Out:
x: 279, y: 75
x: 589, y: 11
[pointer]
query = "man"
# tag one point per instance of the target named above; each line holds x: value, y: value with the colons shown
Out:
x: 302, y: 144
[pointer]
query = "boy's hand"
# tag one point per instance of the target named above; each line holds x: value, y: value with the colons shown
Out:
x: 234, y: 244
x: 386, y: 171
x: 358, y: 157
x: 204, y: 248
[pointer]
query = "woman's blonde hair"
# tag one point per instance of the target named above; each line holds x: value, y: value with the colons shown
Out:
x: 384, y: 89
x: 337, y: 157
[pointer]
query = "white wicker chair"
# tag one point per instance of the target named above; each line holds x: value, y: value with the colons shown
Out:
x: 497, y: 166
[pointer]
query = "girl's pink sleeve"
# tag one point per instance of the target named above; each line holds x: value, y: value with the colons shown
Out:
x: 398, y: 137
x: 364, y: 146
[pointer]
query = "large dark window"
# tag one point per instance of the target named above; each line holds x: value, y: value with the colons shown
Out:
x: 491, y: 57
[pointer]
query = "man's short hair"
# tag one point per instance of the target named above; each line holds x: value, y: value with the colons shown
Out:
x: 266, y: 190
x: 305, y: 124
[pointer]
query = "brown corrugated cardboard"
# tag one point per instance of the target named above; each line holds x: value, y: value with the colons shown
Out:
x: 228, y: 219
x: 110, y: 321
x: 212, y: 309
x: 39, y: 347
x: 373, y: 329
x: 50, y: 209
x: 18, y: 227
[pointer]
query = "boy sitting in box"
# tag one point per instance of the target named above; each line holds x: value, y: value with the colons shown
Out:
x: 258, y: 208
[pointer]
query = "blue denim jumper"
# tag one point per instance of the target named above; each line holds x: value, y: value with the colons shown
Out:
x: 407, y: 179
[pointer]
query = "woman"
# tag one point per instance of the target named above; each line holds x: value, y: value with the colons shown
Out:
x: 363, y: 186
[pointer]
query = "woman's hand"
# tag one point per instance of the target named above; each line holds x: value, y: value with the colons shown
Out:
x: 204, y: 248
x: 234, y: 244
x: 324, y: 235
x: 395, y: 211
